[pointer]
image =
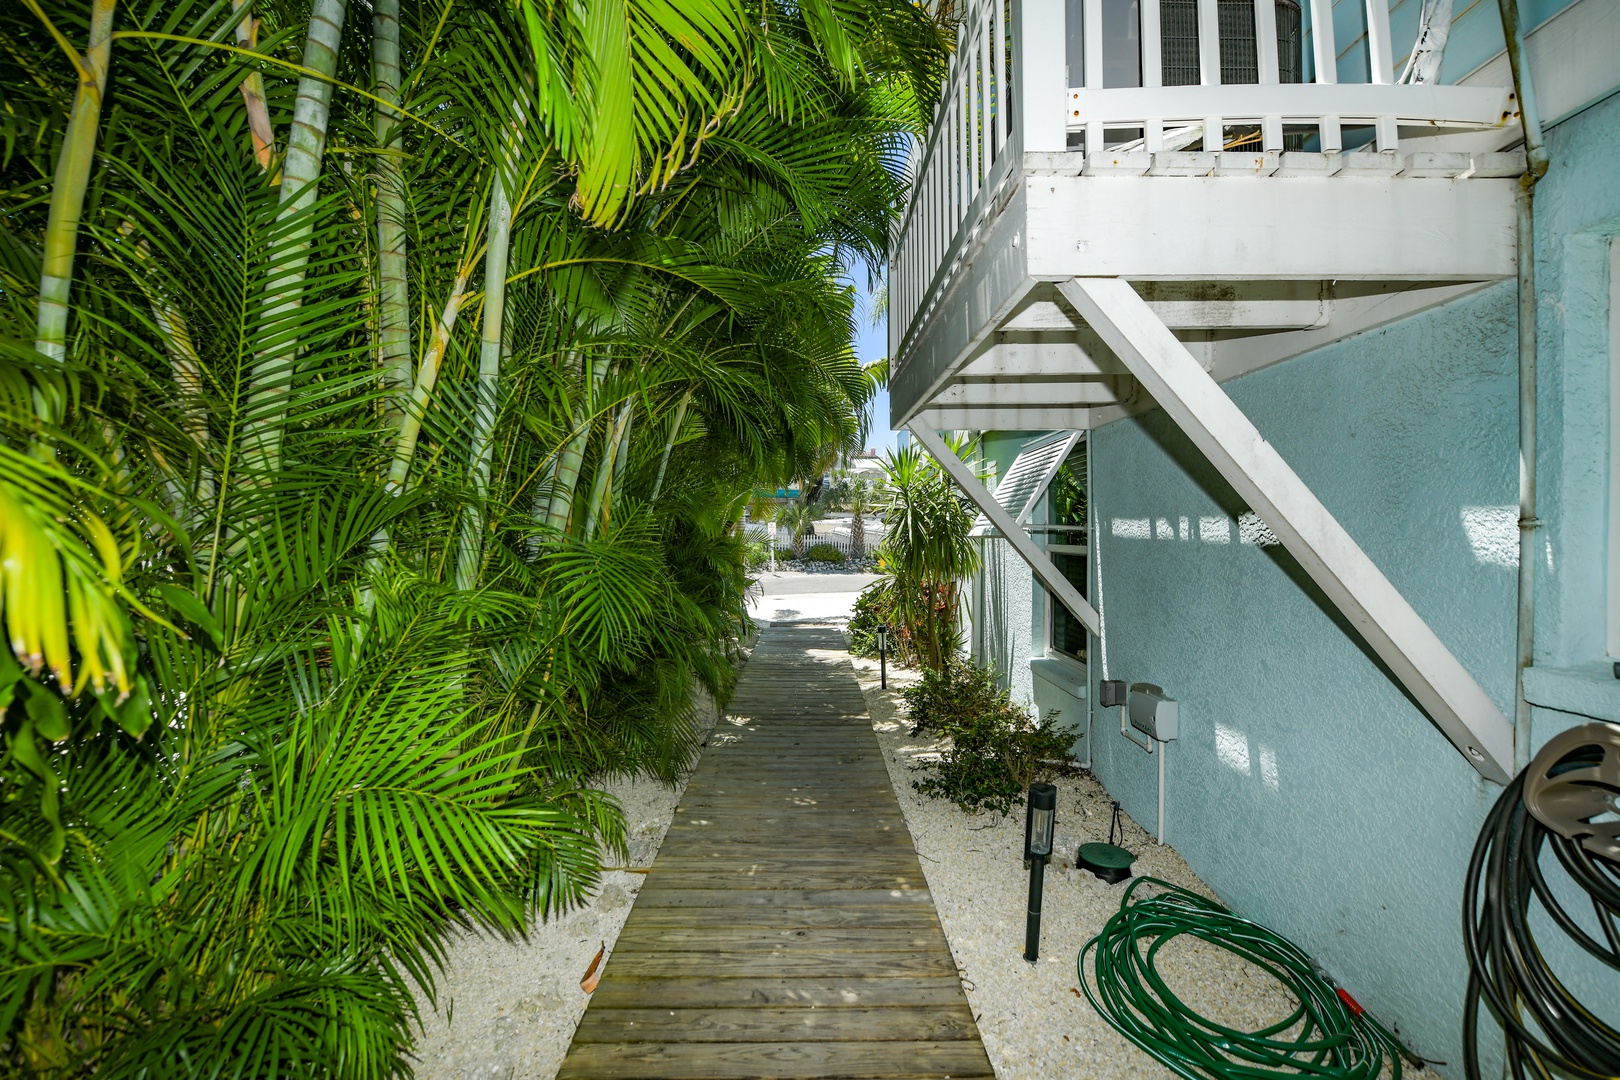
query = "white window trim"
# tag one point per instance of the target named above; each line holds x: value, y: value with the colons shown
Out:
x: 1080, y: 667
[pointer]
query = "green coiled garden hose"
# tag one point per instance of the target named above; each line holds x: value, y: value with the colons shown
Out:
x: 1327, y: 1035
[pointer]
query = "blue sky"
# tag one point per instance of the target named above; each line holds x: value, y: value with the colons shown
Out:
x: 872, y: 343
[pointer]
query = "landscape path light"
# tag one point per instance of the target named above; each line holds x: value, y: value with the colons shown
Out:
x: 1040, y: 818
x: 883, y: 656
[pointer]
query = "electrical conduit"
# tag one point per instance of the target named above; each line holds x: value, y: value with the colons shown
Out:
x: 1536, y: 158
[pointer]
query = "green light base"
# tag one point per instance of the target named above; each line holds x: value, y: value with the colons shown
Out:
x: 1107, y: 861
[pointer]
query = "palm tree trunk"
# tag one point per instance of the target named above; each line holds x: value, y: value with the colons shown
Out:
x: 258, y: 112
x: 427, y: 377
x: 857, y: 534
x: 669, y: 444
x: 470, y: 555
x: 67, y: 194
x: 573, y: 455
x: 300, y: 181
x: 621, y: 458
x: 615, y: 441
x: 187, y: 368
x: 393, y: 290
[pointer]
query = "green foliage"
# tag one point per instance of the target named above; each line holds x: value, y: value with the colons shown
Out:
x: 261, y: 754
x: 795, y: 520
x: 824, y: 553
x: 1068, y: 490
x: 757, y: 553
x: 870, y: 612
x: 860, y: 495
x: 996, y: 749
x: 925, y: 554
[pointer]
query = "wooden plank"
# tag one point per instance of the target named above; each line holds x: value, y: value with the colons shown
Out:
x: 737, y: 837
x: 740, y: 784
x: 739, y: 824
x: 756, y: 991
x: 698, y: 854
x: 657, y: 894
x: 831, y: 878
x: 902, y: 1022
x: 745, y: 916
x: 757, y: 859
x: 958, y: 1059
x: 742, y: 963
x: 812, y: 803
x: 781, y: 938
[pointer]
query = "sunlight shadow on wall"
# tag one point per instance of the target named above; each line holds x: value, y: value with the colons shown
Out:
x: 1493, y: 534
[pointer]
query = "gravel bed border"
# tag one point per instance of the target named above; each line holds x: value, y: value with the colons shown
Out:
x: 507, y: 1010
x: 1033, y: 1018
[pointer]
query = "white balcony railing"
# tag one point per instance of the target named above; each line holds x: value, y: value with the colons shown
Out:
x: 1011, y: 91
x: 964, y: 159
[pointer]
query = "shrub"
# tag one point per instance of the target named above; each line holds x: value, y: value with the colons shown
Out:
x: 997, y: 749
x: 824, y: 553
x: 864, y: 620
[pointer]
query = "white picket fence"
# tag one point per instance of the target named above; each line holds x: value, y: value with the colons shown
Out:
x: 759, y: 532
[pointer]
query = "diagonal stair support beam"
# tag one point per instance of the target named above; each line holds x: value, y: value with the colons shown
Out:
x: 1400, y: 637
x: 1039, y: 561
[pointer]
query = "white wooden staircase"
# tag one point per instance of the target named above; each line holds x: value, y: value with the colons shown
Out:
x: 1073, y: 254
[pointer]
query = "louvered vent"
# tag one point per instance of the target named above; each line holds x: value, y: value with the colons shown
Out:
x: 1026, y: 481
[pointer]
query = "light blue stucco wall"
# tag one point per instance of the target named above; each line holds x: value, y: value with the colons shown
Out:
x: 1006, y: 588
x: 1476, y: 34
x: 1307, y: 789
x: 1007, y: 641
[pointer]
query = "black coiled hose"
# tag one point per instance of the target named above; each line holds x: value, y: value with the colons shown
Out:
x: 1546, y: 1028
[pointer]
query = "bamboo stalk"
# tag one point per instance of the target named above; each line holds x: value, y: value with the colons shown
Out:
x: 300, y: 182
x: 614, y: 438
x: 573, y: 455
x: 427, y: 371
x: 258, y: 112
x: 67, y: 195
x: 470, y: 554
x: 622, y: 457
x: 393, y: 286
x: 669, y: 445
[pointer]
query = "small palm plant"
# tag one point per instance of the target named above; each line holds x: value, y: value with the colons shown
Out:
x: 798, y: 520
x: 861, y: 495
x: 926, y: 552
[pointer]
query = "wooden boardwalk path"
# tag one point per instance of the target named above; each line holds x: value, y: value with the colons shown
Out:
x: 785, y: 929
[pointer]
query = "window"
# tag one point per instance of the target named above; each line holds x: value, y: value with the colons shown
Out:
x: 1066, y: 543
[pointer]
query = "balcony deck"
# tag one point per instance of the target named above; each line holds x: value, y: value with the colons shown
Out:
x: 1250, y: 255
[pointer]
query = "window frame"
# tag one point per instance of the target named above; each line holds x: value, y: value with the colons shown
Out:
x: 1047, y: 529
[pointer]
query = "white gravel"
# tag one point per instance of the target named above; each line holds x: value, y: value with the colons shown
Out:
x: 507, y: 1010
x: 1033, y: 1018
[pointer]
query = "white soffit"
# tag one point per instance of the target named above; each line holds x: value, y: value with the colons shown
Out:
x: 1028, y: 478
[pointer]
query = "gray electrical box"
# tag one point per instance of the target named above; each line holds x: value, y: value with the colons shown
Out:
x: 1153, y: 714
x: 1111, y: 693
